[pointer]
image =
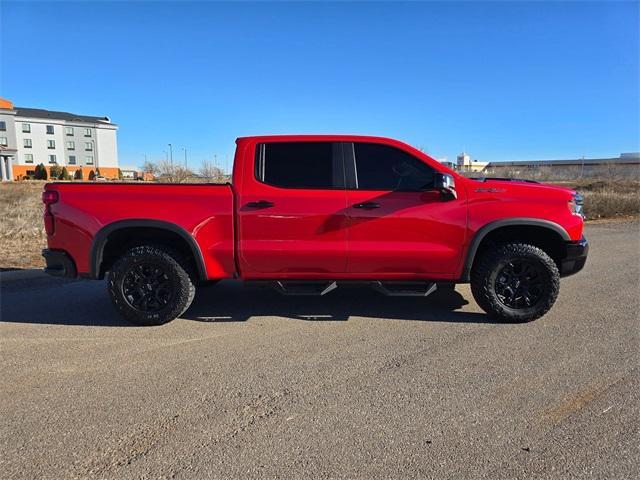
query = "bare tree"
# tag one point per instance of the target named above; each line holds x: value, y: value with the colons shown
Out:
x: 149, y: 167
x: 210, y: 172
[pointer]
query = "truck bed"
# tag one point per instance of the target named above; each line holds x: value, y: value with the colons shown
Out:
x: 203, y: 211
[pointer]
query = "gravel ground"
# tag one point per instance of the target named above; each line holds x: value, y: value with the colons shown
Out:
x: 357, y: 385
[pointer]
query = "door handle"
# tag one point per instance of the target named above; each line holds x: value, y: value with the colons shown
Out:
x: 367, y: 205
x: 260, y: 204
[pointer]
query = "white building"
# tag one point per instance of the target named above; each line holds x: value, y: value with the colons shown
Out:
x: 32, y: 136
x: 466, y: 164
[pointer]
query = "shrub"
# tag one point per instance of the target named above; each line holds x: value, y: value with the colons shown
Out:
x: 40, y: 172
x: 77, y: 175
x: 54, y: 172
x: 64, y: 174
x: 120, y: 176
x: 92, y: 175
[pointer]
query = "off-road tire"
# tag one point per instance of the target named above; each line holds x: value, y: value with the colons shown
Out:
x: 491, y: 264
x: 176, y: 275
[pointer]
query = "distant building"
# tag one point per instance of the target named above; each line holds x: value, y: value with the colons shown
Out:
x: 30, y: 136
x: 466, y: 164
x: 447, y: 163
x: 583, y: 165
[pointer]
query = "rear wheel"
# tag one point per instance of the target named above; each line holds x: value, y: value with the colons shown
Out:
x: 515, y: 282
x: 150, y: 285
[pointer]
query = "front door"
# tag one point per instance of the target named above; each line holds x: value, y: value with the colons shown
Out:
x: 293, y: 211
x: 399, y: 226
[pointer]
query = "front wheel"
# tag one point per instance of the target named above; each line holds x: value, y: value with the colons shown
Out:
x: 149, y: 285
x: 515, y: 282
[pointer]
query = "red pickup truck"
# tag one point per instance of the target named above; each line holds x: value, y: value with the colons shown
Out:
x: 311, y: 212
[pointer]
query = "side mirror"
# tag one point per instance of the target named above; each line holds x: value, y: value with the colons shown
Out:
x: 446, y: 185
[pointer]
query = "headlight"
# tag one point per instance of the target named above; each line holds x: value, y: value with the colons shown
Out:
x: 575, y: 205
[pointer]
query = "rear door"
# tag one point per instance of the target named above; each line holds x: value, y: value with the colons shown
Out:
x: 399, y: 225
x: 292, y: 211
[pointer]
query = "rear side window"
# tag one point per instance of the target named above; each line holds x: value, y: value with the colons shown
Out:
x: 298, y: 165
x: 381, y: 167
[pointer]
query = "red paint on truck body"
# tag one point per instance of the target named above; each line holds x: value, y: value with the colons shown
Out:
x: 306, y: 233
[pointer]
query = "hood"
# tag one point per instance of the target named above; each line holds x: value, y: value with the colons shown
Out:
x: 498, y: 185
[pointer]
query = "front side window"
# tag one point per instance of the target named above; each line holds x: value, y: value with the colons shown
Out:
x: 52, y: 159
x: 50, y: 129
x: 72, y: 159
x: 26, y: 143
x: 51, y: 144
x: 68, y: 131
x: 297, y: 165
x: 71, y: 145
x: 28, y: 158
x: 87, y: 132
x: 88, y: 146
x: 88, y: 160
x: 382, y: 167
x: 26, y: 128
x: 4, y: 141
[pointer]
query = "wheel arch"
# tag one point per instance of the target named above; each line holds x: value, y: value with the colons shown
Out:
x: 556, y: 233
x: 167, y: 232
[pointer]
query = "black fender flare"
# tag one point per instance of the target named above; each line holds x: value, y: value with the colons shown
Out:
x: 507, y: 222
x: 101, y: 238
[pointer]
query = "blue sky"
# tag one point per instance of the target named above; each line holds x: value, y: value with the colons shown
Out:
x: 504, y: 81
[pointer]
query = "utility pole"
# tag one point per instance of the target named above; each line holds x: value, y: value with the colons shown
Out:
x: 171, y: 155
x: 185, y: 157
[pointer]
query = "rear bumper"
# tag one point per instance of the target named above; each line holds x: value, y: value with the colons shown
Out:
x: 575, y: 257
x: 59, y: 263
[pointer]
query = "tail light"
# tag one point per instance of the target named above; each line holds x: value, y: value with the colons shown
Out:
x: 49, y: 197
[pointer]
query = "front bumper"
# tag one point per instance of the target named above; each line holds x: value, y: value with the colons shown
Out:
x: 575, y: 257
x: 59, y: 263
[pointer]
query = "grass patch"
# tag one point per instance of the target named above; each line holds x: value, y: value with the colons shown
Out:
x: 21, y: 230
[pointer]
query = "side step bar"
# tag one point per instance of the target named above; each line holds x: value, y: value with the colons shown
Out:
x: 323, y: 287
x: 406, y: 289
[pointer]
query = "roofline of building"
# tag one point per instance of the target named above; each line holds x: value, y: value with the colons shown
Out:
x: 39, y: 113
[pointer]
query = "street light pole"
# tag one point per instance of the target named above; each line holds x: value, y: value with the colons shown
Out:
x: 171, y: 155
x: 185, y: 157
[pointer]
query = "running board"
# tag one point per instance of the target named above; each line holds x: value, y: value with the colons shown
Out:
x: 304, y: 287
x: 323, y: 287
x: 405, y: 289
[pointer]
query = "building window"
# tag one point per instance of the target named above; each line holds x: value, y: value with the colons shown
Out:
x: 3, y: 126
x: 52, y: 159
x: 68, y: 131
x: 88, y: 160
x: 72, y: 159
x: 26, y: 143
x: 28, y: 158
x: 51, y: 144
x: 26, y: 128
x: 71, y: 145
x: 88, y: 146
x: 3, y: 141
x: 87, y: 132
x: 50, y: 129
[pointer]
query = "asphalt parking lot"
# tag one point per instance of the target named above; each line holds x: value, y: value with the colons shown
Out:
x: 354, y: 384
